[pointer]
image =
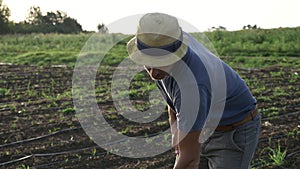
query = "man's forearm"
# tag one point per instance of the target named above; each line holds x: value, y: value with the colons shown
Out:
x: 172, y: 116
x: 189, y: 147
x: 189, y: 150
x: 172, y: 120
x: 174, y: 130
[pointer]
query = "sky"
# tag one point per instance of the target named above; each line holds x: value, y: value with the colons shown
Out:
x: 201, y: 14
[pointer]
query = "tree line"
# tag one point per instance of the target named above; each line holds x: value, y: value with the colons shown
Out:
x: 36, y: 22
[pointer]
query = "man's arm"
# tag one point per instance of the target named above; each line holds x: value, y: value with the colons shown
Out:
x: 173, y: 126
x: 189, y: 150
x: 189, y: 146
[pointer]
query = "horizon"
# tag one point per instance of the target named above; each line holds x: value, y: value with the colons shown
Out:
x: 267, y: 14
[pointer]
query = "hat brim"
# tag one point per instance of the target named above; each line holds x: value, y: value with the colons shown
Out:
x: 156, y: 61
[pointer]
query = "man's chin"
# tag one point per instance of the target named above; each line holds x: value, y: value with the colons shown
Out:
x: 158, y: 78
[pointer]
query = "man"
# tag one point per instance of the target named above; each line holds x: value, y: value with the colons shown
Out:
x: 190, y: 79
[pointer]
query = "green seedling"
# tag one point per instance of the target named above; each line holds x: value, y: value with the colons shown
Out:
x: 277, y: 155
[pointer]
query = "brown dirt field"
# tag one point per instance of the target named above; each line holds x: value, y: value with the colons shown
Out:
x: 38, y: 131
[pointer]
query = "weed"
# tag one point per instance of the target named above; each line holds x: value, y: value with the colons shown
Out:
x: 279, y: 92
x: 162, y: 123
x: 31, y: 92
x: 126, y: 130
x: 111, y: 116
x: 264, y: 98
x: 13, y: 108
x: 149, y: 140
x: 277, y: 156
x: 61, y: 117
x: 68, y: 110
x: 51, y: 120
x: 14, y: 125
x: 78, y: 156
x: 94, y: 151
x: 53, y: 130
x: 23, y: 166
x: 272, y: 111
x: 49, y: 97
x: 277, y: 74
x: 4, y: 92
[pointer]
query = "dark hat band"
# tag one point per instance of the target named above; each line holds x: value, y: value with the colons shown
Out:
x: 160, y: 50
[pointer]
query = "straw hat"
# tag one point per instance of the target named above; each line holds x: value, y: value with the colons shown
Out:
x: 159, y: 41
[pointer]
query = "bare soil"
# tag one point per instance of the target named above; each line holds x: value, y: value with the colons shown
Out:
x: 39, y: 129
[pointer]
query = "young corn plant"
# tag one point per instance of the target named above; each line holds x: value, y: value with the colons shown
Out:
x: 4, y: 91
x: 277, y: 155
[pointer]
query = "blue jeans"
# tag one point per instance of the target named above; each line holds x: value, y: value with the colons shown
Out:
x: 231, y: 149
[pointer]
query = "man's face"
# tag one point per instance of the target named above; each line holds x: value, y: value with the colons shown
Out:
x: 157, y: 73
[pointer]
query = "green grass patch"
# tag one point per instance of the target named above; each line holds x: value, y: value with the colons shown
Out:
x: 260, y: 62
x: 41, y: 58
x: 245, y: 48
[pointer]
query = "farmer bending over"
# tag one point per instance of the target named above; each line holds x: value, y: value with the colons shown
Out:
x: 201, y: 91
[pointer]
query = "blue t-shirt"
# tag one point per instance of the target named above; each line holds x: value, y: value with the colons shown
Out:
x: 239, y: 101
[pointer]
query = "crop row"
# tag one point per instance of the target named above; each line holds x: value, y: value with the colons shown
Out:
x: 39, y: 126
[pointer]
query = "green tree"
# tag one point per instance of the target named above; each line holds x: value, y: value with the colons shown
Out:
x: 54, y: 18
x: 102, y: 28
x: 34, y: 16
x: 4, y: 18
x: 69, y: 25
x: 57, y: 22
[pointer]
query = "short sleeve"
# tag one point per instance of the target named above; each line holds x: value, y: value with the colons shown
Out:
x: 192, y: 121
